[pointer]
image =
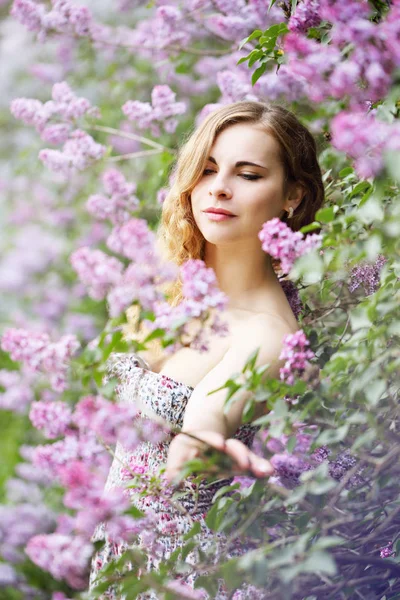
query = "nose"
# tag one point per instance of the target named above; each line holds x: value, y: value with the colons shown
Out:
x: 219, y: 189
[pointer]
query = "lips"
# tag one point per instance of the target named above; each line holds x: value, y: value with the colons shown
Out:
x: 219, y: 211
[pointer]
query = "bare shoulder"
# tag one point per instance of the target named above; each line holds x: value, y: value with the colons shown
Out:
x: 264, y: 331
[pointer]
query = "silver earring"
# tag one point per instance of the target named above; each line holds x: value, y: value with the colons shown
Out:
x: 290, y: 212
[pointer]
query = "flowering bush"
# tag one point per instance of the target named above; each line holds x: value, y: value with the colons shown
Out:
x: 112, y: 88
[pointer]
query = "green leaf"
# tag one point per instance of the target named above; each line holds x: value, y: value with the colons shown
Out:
x: 253, y: 36
x: 194, y: 531
x: 374, y: 390
x: 326, y: 214
x: 271, y: 4
x: 331, y: 436
x: 345, y: 172
x: 258, y: 72
x: 320, y: 562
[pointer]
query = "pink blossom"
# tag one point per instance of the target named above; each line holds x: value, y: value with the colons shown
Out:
x: 280, y: 242
x: 39, y: 354
x: 65, y: 557
x: 364, y: 138
x: 28, y: 13
x: 77, y: 154
x: 18, y: 392
x: 161, y: 110
x: 297, y: 355
x: 121, y: 201
x: 98, y: 271
x: 367, y: 275
x: 53, y: 418
x: 133, y: 239
x: 305, y: 16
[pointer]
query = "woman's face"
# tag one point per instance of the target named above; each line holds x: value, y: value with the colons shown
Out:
x: 252, y: 193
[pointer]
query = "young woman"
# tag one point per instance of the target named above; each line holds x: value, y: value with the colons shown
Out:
x: 246, y: 163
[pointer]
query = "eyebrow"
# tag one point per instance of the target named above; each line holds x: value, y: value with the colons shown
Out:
x: 240, y: 163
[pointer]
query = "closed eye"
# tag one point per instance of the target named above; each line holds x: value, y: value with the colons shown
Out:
x: 247, y: 176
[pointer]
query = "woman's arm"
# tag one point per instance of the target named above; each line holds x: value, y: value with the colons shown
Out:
x: 206, y: 412
x: 204, y: 417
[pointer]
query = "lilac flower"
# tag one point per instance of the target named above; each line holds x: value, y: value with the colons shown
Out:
x: 18, y: 393
x: 285, y: 83
x: 18, y: 524
x: 305, y: 16
x: 367, y: 275
x: 65, y: 105
x: 53, y: 418
x: 161, y: 110
x: 200, y: 284
x: 121, y: 201
x: 364, y: 138
x: 230, y: 27
x: 98, y: 271
x: 280, y: 242
x: 337, y: 12
x: 235, y: 86
x: 65, y: 17
x: 78, y: 153
x: 8, y: 575
x: 201, y: 293
x: 50, y: 458
x: 133, y: 239
x: 56, y: 134
x: 387, y: 551
x: 184, y: 590
x: 29, y: 14
x: 297, y: 355
x: 39, y: 354
x: 292, y: 295
x: 65, y: 557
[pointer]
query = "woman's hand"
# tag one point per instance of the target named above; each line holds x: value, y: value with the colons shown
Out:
x: 184, y: 448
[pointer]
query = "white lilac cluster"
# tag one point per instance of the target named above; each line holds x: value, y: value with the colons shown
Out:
x: 120, y: 201
x: 39, y: 354
x: 162, y: 111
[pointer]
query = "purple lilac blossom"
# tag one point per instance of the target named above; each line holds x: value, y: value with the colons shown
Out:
x: 120, y: 202
x: 305, y: 16
x: 64, y: 17
x: 387, y: 551
x: 162, y: 110
x: 292, y: 295
x: 18, y: 393
x: 65, y: 557
x: 53, y: 418
x: 18, y: 524
x: 39, y: 354
x: 284, y: 244
x: 297, y: 355
x: 367, y: 275
x: 78, y: 153
x: 97, y: 270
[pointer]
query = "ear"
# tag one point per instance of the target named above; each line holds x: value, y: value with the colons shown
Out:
x: 296, y: 194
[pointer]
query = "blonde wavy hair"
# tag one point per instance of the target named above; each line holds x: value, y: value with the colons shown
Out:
x: 179, y: 238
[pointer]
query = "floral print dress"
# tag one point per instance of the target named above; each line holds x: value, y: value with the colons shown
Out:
x: 166, y: 398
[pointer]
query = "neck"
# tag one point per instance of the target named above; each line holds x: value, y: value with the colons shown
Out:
x: 244, y: 272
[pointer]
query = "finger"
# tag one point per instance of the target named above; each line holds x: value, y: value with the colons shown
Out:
x: 259, y: 466
x: 239, y: 452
